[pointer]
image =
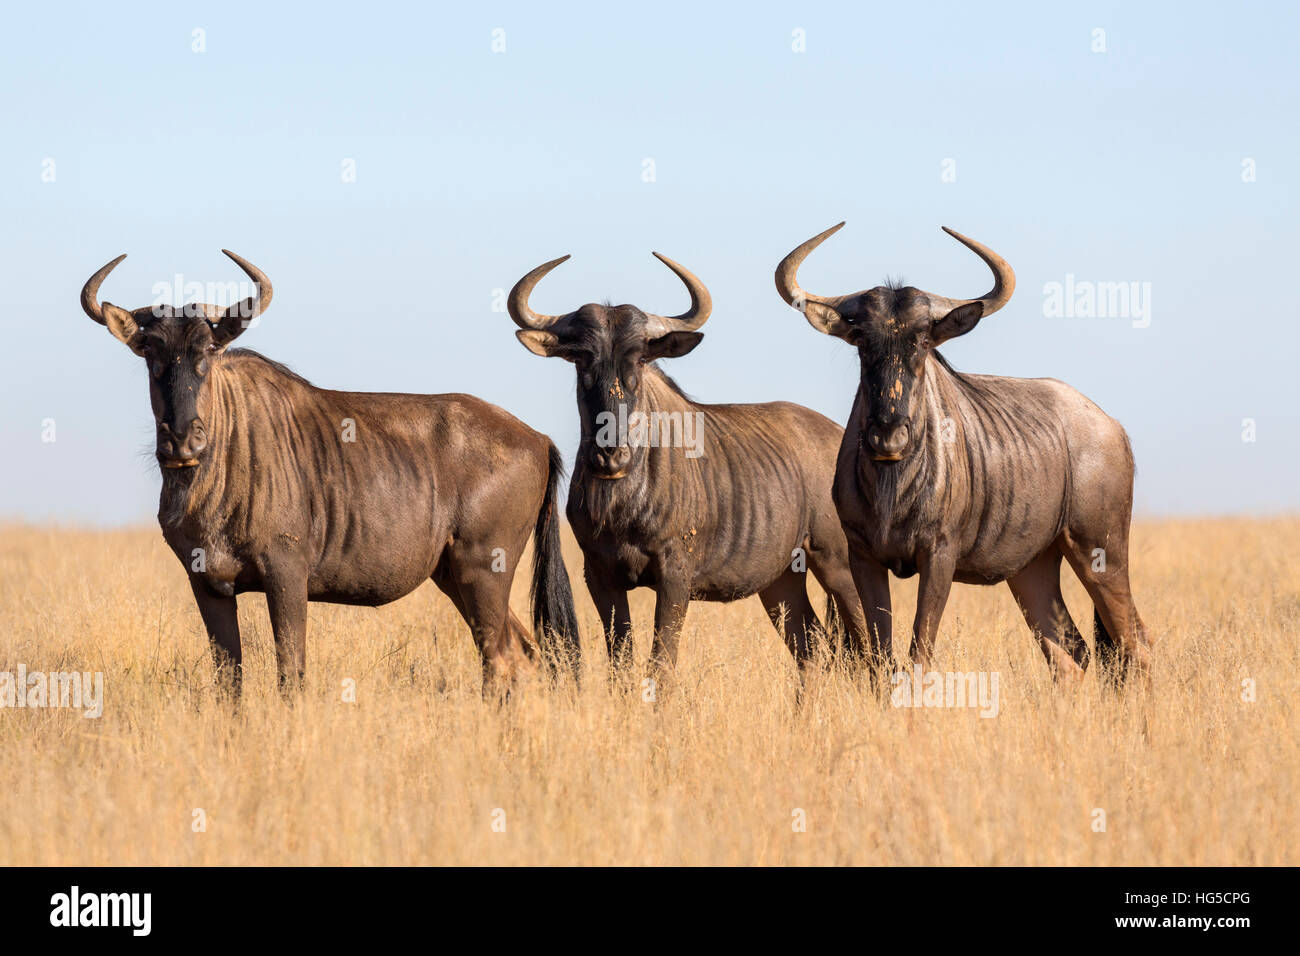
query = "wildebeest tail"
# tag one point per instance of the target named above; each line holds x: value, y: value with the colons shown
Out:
x: 555, y: 622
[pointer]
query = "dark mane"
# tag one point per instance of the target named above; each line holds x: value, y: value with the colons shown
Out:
x: 668, y: 380
x: 258, y: 356
x: 950, y: 370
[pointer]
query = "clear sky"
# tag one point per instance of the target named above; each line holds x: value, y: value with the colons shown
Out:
x: 1128, y: 164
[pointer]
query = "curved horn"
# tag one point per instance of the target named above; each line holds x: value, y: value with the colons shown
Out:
x: 701, y: 302
x: 517, y: 303
x: 820, y: 310
x: 786, y: 283
x: 90, y: 291
x: 250, y: 308
x: 1004, y: 281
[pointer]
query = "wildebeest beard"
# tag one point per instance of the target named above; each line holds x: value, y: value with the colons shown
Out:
x: 892, y: 488
x: 619, y: 504
x: 886, y: 492
x: 175, y: 494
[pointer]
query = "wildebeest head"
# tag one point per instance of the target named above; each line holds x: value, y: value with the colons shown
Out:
x: 894, y: 329
x: 608, y: 344
x: 180, y: 344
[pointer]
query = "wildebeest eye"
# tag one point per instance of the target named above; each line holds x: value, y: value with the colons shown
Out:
x: 212, y: 348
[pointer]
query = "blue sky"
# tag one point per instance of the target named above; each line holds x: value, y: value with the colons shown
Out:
x: 472, y: 166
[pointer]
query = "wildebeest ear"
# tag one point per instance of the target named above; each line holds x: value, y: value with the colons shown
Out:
x: 957, y: 322
x: 121, y: 323
x: 672, y: 345
x: 825, y: 319
x: 540, y: 342
x: 228, y: 328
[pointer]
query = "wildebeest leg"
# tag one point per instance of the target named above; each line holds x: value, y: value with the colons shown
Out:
x: 286, y: 600
x: 498, y: 658
x: 520, y: 636
x: 482, y: 595
x: 672, y: 596
x: 1104, y: 573
x: 936, y: 570
x: 787, y: 605
x: 837, y: 581
x: 1037, y: 589
x: 615, y: 620
x: 221, y: 621
x: 1108, y: 655
x: 872, y: 581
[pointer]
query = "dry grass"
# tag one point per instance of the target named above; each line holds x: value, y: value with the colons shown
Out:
x: 412, y: 772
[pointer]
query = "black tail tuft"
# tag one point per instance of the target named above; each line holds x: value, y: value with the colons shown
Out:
x: 555, y: 622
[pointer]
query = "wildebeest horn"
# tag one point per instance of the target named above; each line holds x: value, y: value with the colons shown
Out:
x: 1004, y: 281
x: 250, y: 308
x: 692, y: 318
x: 90, y: 291
x: 788, y: 286
x: 517, y: 303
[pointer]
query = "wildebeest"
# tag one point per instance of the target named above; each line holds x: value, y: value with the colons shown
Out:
x: 272, y: 484
x: 698, y: 502
x: 975, y: 478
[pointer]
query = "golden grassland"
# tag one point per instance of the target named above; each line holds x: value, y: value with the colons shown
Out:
x: 416, y: 770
